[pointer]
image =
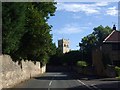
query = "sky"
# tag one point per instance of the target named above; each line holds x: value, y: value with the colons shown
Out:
x: 75, y: 20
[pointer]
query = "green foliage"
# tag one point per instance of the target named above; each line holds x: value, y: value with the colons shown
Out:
x: 13, y: 21
x: 56, y: 58
x: 52, y: 47
x: 117, y: 69
x: 95, y: 39
x: 26, y: 33
x: 69, y: 58
x: 82, y: 64
x: 89, y: 41
x: 101, y: 33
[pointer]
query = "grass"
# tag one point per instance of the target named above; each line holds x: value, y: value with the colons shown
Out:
x: 81, y: 64
x: 117, y: 69
x: 118, y: 78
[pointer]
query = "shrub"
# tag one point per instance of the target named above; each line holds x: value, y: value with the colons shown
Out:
x: 117, y: 69
x: 81, y: 64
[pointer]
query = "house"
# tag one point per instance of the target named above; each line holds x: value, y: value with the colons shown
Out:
x: 111, y: 47
x: 107, y: 53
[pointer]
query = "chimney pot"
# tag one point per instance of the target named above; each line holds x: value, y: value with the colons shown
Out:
x: 114, y: 27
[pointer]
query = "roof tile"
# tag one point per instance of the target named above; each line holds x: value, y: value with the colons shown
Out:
x: 113, y: 37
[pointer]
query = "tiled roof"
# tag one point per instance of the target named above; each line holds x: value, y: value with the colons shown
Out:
x: 113, y: 37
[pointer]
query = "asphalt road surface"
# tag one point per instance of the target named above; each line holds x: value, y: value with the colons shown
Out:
x: 66, y: 81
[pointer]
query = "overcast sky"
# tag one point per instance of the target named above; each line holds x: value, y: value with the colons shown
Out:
x: 74, y: 20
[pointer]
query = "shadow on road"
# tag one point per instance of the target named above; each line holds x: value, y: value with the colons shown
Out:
x: 73, y: 75
x: 109, y: 86
x: 57, y: 76
x: 68, y: 76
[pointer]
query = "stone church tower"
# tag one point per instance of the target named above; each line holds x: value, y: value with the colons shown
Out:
x: 63, y: 45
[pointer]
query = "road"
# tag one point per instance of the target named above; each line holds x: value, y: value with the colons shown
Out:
x: 66, y: 81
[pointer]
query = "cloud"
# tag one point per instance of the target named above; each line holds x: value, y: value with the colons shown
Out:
x: 112, y: 11
x: 71, y: 29
x: 91, y: 8
x: 86, y: 0
x: 76, y: 16
x: 101, y: 4
x: 89, y: 23
x: 72, y: 7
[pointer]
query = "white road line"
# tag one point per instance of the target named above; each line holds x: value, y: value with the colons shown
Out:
x: 93, y: 85
x: 85, y: 85
x: 50, y: 83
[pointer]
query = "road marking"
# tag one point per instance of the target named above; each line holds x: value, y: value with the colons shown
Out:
x: 85, y: 85
x: 93, y: 85
x: 50, y: 83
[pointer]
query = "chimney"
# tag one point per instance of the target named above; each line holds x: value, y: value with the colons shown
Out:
x: 114, y: 27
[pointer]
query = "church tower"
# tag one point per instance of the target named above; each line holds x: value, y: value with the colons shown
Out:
x: 63, y: 45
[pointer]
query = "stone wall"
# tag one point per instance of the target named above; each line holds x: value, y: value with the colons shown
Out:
x: 97, y: 62
x: 12, y: 73
x: 101, y: 70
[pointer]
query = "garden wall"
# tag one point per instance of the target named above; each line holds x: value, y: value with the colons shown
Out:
x: 12, y: 73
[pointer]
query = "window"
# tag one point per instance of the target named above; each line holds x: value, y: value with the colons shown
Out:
x: 64, y: 45
x: 116, y: 46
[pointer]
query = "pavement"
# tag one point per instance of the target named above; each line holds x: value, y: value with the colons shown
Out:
x: 68, y: 81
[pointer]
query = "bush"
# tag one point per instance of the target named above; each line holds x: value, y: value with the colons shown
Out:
x: 117, y: 69
x: 82, y: 64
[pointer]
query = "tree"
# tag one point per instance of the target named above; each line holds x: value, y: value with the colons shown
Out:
x: 56, y: 58
x: 93, y: 40
x: 35, y: 42
x: 101, y: 33
x: 13, y: 16
x: 68, y: 59
x: 86, y: 45
x: 71, y: 57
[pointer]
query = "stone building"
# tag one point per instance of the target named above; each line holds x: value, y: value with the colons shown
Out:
x: 111, y: 47
x: 108, y: 53
x: 63, y: 45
